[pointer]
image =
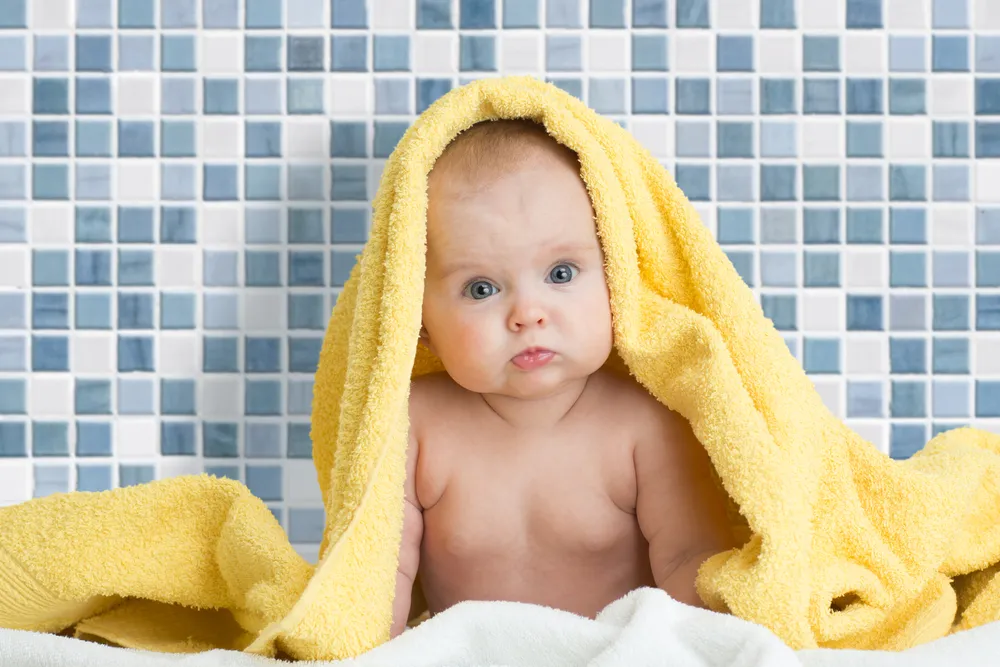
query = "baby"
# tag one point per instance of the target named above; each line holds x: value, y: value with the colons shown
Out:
x: 533, y: 475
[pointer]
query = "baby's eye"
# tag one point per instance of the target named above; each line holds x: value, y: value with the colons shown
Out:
x: 480, y: 290
x: 562, y: 273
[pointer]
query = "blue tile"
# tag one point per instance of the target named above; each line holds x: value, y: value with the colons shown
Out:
x: 306, y: 311
x: 220, y: 354
x: 177, y: 181
x: 263, y: 14
x: 864, y: 139
x: 306, y: 183
x: 778, y: 139
x: 93, y: 439
x: 781, y: 310
x: 177, y: 139
x: 734, y: 97
x: 135, y: 396
x: 820, y: 183
x: 820, y: 53
x: 735, y: 226
x: 93, y: 96
x: 607, y: 13
x: 93, y: 397
x: 391, y: 53
x: 178, y: 14
x: 49, y: 439
x: 987, y: 139
x: 51, y: 95
x: 864, y: 313
x: 908, y: 399
x: 177, y: 53
x: 349, y: 53
x: 988, y: 96
x: 218, y: 14
x: 647, y: 13
x: 12, y: 182
x: 263, y: 182
x: 303, y: 354
x: 778, y: 182
x: 221, y: 96
x: 13, y: 225
x: 265, y: 482
x: 50, y: 139
x: 135, y: 353
x: 908, y: 225
x: 136, y: 14
x: 93, y: 14
x: 299, y: 443
x: 477, y: 14
x: 50, y: 353
x: 305, y: 269
x: 520, y: 14
x: 13, y: 51
x: 305, y: 96
x: 220, y: 268
x: 263, y: 440
x: 734, y: 139
x: 177, y: 439
x: 93, y: 311
x: 305, y: 226
x: 778, y: 96
x: 429, y: 90
x: 692, y: 14
x: 49, y: 268
x: 93, y: 479
x: 950, y: 53
x: 950, y: 14
x: 93, y: 53
x: 907, y: 312
x: 951, y: 399
x: 820, y: 96
x: 907, y: 97
x: 135, y: 267
x: 300, y: 397
x: 778, y: 269
x: 262, y: 226
x: 305, y: 54
x: 177, y: 397
x: 649, y: 52
x: 907, y: 355
x: 988, y: 226
x: 743, y: 262
x: 305, y: 526
x: 735, y: 182
x: 262, y: 355
x: 477, y: 53
x: 132, y: 475
x: 263, y: 269
x: 177, y: 310
x: 951, y: 139
x: 693, y: 96
x: 93, y: 138
x: 734, y: 53
x: 821, y: 226
x: 136, y: 139
x: 50, y: 480
x: 987, y: 312
x: 349, y: 14
x: 864, y: 96
x: 987, y: 398
x: 864, y: 13
x: 907, y: 183
x: 13, y: 139
x: 987, y: 268
x: 177, y: 225
x: 341, y: 263
x: 563, y: 53
x: 12, y: 396
x: 694, y: 181
x: 219, y: 439
x: 907, y: 269
x: 864, y: 399
x: 821, y: 269
x: 987, y: 53
x: 778, y: 226
x: 135, y: 311
x: 434, y: 15
x: 263, y: 139
x: 263, y: 397
x: 93, y: 182
x: 951, y: 312
x: 777, y: 14
x: 93, y: 267
x: 907, y: 53
x: 563, y: 14
x: 864, y: 226
x: 951, y: 182
x: 50, y: 310
x: 865, y: 183
x: 349, y: 225
x: 607, y: 96
x: 177, y: 96
x: 951, y: 356
x: 14, y: 14
x: 263, y: 96
x: 13, y: 353
x: 821, y: 355
x: 348, y: 139
x: 262, y: 53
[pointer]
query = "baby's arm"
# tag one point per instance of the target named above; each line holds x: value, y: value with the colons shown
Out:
x: 409, y: 550
x: 680, y: 510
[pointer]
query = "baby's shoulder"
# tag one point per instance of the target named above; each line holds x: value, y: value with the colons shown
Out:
x: 434, y: 393
x: 632, y: 404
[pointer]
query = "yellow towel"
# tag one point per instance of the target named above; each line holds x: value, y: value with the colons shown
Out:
x: 844, y: 547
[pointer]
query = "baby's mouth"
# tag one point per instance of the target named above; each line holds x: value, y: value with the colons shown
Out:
x: 532, y: 358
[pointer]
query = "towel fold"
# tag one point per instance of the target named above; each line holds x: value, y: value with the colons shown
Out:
x: 843, y: 547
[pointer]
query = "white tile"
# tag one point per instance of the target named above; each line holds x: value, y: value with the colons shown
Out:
x: 779, y: 52
x: 15, y: 95
x: 300, y: 483
x: 735, y: 14
x: 707, y: 214
x: 136, y: 438
x: 308, y: 552
x: 94, y: 353
x: 831, y: 392
x: 435, y: 52
x: 826, y: 15
x: 872, y: 432
x: 986, y: 352
x: 50, y: 395
x: 221, y: 139
x: 221, y: 53
x: 15, y: 481
x: 908, y: 14
x: 952, y: 225
x: 822, y: 138
x: 180, y: 466
x: 950, y: 96
x: 52, y: 14
x: 823, y: 312
x: 908, y: 138
x: 178, y: 354
x: 866, y: 268
x: 987, y: 178
x: 608, y: 51
x: 136, y: 95
x: 264, y: 310
x: 521, y: 53
x: 222, y: 224
x: 221, y: 397
x: 392, y: 14
x: 987, y: 15
x: 52, y: 223
x: 350, y: 95
x: 866, y: 355
x: 657, y: 136
x: 311, y: 14
x: 864, y: 53
x: 139, y: 183
x: 694, y: 52
x: 307, y: 139
x: 178, y: 267
x: 15, y: 267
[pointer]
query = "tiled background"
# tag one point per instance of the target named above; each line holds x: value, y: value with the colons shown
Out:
x: 184, y: 185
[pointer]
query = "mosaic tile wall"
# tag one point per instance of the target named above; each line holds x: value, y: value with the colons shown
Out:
x: 184, y: 185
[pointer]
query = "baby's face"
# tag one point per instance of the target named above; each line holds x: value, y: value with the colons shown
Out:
x: 516, y: 301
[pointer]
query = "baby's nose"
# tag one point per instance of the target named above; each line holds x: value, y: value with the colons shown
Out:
x: 527, y: 314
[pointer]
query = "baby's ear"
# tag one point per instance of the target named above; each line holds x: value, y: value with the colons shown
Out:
x: 424, y: 338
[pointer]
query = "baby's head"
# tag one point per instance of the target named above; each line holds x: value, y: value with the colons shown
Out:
x: 515, y: 301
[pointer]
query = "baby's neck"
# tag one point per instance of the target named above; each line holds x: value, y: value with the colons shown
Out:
x: 537, y: 413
